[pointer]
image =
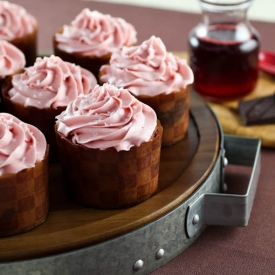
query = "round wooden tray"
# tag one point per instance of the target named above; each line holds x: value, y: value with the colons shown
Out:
x: 70, y: 226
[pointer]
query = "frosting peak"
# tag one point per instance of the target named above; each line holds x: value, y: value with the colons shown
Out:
x: 51, y: 82
x: 147, y: 69
x: 107, y: 117
x: 94, y: 33
x: 15, y: 21
x: 11, y: 59
x: 21, y: 145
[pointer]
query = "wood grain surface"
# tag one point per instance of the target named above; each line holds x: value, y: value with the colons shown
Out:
x: 183, y: 168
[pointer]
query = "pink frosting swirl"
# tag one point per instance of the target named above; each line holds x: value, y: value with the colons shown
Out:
x: 107, y: 117
x: 11, y: 59
x: 147, y: 69
x: 51, y: 82
x: 15, y: 21
x: 21, y: 145
x: 96, y: 34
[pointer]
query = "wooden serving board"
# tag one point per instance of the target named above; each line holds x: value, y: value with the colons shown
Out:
x: 183, y: 168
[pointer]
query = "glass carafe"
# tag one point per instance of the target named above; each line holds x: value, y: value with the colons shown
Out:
x: 224, y: 50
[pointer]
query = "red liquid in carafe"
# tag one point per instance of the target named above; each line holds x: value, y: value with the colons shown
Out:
x: 224, y: 68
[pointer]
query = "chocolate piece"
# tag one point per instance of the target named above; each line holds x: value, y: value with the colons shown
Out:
x: 258, y: 111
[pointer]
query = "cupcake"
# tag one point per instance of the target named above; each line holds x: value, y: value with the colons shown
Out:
x: 157, y: 78
x: 19, y: 28
x: 90, y: 39
x: 109, y: 145
x: 12, y: 61
x: 24, y: 199
x: 43, y: 91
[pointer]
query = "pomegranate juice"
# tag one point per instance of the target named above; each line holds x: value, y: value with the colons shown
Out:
x: 224, y: 67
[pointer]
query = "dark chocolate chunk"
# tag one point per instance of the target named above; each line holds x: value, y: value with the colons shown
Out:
x: 258, y: 111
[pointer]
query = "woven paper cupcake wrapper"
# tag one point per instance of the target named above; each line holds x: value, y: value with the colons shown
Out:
x: 43, y: 119
x: 173, y: 112
x: 28, y: 45
x: 109, y: 179
x: 24, y: 199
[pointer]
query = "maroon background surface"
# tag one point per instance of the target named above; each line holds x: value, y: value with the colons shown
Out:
x: 219, y: 250
x: 172, y: 27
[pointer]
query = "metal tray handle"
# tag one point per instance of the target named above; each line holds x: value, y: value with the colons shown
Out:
x: 228, y: 209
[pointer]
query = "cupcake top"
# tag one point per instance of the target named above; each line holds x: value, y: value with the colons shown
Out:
x: 147, y: 69
x: 15, y: 21
x: 11, y: 59
x: 50, y: 83
x: 21, y: 145
x: 95, y: 34
x: 107, y: 117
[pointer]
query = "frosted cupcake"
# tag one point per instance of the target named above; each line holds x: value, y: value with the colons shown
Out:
x: 157, y: 78
x: 91, y: 37
x: 109, y: 145
x: 24, y: 199
x: 19, y: 28
x: 43, y: 91
x: 12, y: 61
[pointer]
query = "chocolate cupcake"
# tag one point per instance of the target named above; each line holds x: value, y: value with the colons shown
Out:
x: 157, y: 78
x: 109, y: 145
x: 19, y: 28
x: 90, y: 39
x: 43, y: 91
x: 24, y: 200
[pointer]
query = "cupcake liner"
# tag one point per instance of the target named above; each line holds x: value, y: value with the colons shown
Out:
x: 24, y: 199
x: 173, y: 112
x: 43, y: 119
x: 28, y: 45
x: 108, y: 179
x: 2, y: 80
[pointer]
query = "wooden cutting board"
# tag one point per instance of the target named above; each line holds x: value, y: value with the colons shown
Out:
x: 230, y: 119
x: 183, y: 168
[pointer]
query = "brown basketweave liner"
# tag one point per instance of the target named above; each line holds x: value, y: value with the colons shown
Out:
x: 24, y: 199
x: 28, y: 45
x: 43, y: 119
x: 173, y: 112
x: 108, y: 179
x: 2, y: 81
x: 90, y: 63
